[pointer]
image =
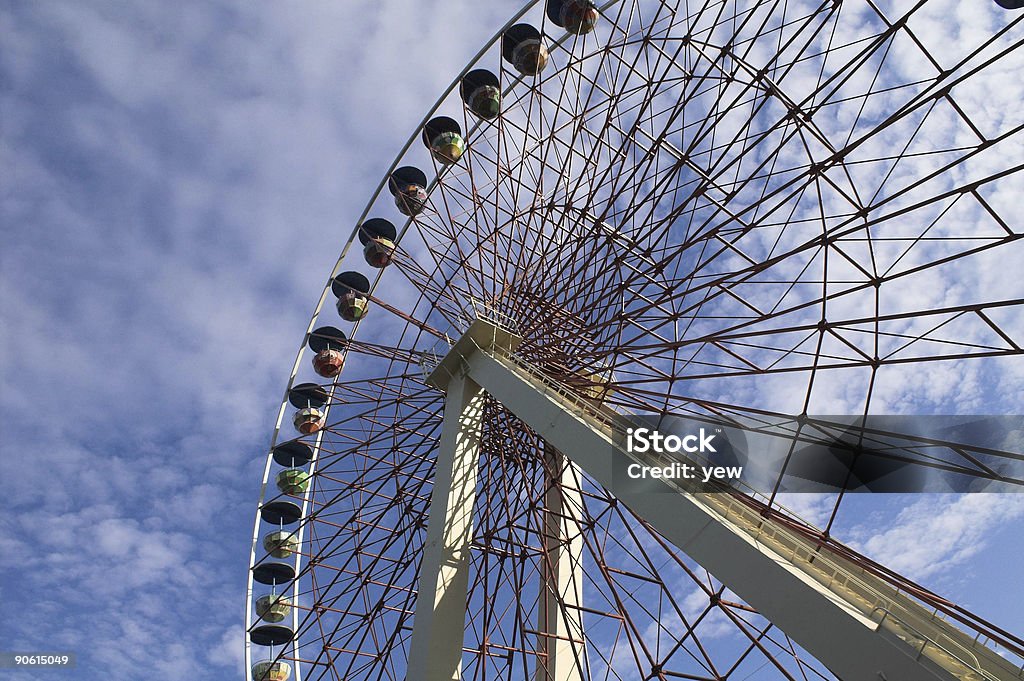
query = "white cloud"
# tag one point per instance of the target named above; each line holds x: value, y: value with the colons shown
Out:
x: 937, y: 534
x: 228, y: 651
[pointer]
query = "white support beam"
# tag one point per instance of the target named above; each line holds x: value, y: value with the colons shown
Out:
x: 856, y: 624
x: 439, y: 624
x: 559, y: 618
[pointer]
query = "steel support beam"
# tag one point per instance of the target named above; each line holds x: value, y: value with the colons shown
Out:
x: 858, y: 625
x: 559, y: 619
x: 439, y: 624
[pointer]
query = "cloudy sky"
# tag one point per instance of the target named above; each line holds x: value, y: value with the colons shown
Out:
x: 177, y: 181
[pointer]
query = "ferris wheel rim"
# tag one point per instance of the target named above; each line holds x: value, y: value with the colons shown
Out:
x: 324, y: 296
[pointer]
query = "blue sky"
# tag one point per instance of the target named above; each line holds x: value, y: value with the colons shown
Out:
x: 178, y: 179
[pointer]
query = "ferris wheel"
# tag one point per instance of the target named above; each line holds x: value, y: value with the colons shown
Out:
x: 740, y: 213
